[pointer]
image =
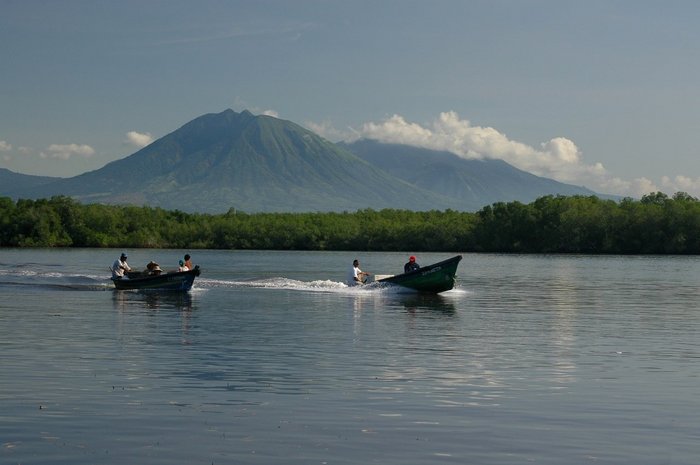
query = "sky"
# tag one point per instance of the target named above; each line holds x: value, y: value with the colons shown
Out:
x: 599, y: 93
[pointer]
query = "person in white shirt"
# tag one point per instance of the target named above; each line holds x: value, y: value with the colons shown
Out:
x: 119, y: 267
x: 182, y: 266
x: 356, y: 275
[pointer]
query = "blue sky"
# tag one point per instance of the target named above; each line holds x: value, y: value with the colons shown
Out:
x: 598, y: 93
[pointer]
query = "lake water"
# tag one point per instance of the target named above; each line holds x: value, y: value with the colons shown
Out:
x: 271, y: 359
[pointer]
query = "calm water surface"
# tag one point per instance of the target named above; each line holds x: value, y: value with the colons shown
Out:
x: 271, y: 359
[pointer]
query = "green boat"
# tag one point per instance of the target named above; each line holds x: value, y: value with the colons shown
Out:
x: 433, y: 279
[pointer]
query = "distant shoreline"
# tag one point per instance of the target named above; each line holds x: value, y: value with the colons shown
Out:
x: 655, y: 225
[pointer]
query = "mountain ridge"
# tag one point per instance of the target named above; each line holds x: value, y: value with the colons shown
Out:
x: 220, y: 161
x: 251, y: 163
x: 475, y: 182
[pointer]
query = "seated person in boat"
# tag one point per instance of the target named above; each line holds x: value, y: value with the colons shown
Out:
x: 153, y: 269
x: 120, y: 267
x: 356, y: 275
x: 182, y: 266
x: 412, y: 265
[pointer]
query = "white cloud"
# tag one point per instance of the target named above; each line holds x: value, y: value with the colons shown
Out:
x: 66, y: 151
x: 558, y: 158
x: 680, y: 184
x: 4, y: 146
x: 634, y: 188
x: 272, y: 113
x: 139, y: 139
x: 327, y: 131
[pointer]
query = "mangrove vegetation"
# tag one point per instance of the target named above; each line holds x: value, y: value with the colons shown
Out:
x: 656, y: 224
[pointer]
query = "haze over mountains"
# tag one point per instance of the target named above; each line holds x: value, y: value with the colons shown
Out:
x: 260, y: 163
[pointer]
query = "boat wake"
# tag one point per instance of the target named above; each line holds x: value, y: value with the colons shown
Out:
x: 25, y: 276
x: 287, y: 283
x: 326, y: 286
x: 28, y: 276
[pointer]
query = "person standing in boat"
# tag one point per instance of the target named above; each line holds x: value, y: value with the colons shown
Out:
x: 188, y: 261
x: 119, y: 267
x: 357, y: 276
x: 412, y: 265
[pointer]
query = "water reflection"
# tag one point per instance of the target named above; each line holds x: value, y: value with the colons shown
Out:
x: 373, y: 306
x: 537, y: 359
x: 428, y: 304
x: 154, y: 300
x: 411, y: 302
x: 565, y: 300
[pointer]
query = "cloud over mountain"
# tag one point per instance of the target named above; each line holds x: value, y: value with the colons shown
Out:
x: 558, y: 158
x: 261, y: 163
x: 66, y: 151
x: 139, y: 139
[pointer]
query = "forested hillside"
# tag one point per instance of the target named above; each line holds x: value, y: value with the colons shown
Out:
x: 656, y: 224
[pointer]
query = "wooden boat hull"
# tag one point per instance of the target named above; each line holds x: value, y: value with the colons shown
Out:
x: 179, y: 281
x: 433, y: 279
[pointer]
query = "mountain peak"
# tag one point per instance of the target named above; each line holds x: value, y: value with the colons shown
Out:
x: 253, y: 163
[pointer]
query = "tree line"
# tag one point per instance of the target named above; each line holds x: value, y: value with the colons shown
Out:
x: 656, y: 224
